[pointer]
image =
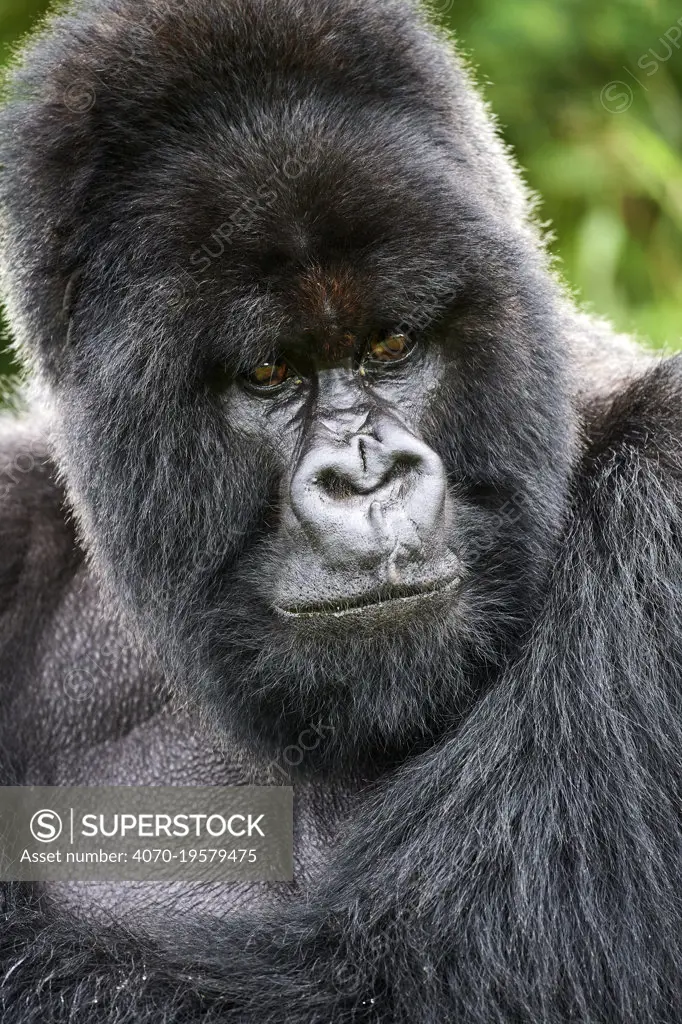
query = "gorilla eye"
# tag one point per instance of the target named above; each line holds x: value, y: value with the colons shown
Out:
x: 268, y: 376
x: 389, y: 348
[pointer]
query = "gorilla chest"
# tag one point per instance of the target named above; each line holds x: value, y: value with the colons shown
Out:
x: 91, y: 712
x: 170, y: 749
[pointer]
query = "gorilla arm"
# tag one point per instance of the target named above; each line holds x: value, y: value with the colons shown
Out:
x: 527, y: 869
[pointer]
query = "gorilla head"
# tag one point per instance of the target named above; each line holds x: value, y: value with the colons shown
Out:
x: 300, y: 340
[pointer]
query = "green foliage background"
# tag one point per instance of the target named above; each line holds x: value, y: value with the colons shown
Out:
x: 589, y: 95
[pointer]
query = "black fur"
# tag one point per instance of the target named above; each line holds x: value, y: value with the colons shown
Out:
x: 169, y: 169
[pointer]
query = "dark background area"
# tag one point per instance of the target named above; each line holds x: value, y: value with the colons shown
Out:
x: 589, y: 95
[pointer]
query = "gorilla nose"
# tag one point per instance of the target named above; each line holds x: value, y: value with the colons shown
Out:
x: 365, y: 466
x: 362, y: 499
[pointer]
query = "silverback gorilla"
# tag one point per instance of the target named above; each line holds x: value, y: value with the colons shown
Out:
x: 316, y: 441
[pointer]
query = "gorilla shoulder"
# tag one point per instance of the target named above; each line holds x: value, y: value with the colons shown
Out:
x: 603, y: 362
x: 38, y: 551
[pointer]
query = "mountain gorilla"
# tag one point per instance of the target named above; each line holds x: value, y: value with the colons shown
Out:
x: 329, y: 480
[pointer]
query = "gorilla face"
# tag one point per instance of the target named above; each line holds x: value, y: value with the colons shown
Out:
x: 311, y: 409
x: 365, y: 527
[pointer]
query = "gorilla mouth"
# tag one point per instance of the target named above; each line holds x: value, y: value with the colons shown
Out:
x: 342, y: 607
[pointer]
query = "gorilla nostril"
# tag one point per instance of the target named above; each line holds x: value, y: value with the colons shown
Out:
x: 404, y: 464
x: 335, y: 485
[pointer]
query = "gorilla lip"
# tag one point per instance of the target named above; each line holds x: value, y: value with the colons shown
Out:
x: 368, y: 602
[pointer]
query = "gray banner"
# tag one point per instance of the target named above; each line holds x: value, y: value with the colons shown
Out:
x: 152, y: 833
